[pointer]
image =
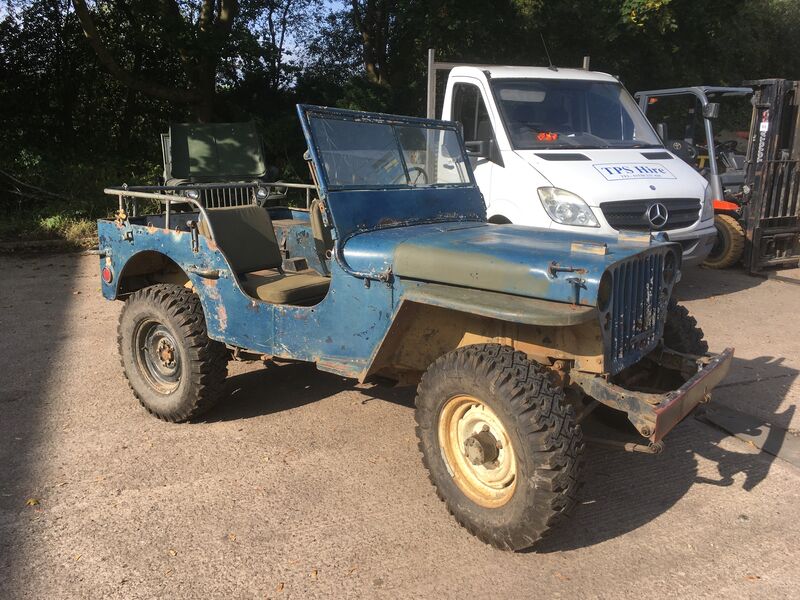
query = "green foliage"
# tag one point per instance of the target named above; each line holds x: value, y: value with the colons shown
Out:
x: 70, y: 127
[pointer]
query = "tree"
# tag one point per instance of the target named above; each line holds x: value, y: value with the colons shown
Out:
x: 199, y: 35
x: 372, y: 20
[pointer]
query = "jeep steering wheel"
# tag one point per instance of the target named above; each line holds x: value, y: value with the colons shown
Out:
x: 420, y: 178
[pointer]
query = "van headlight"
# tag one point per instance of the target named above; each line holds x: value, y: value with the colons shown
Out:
x: 707, y: 211
x: 566, y: 208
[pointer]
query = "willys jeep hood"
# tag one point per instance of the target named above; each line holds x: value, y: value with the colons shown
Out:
x: 523, y: 261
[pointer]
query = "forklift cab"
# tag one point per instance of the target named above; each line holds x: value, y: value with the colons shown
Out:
x: 685, y: 119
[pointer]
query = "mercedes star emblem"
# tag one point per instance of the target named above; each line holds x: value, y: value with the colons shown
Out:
x: 657, y: 215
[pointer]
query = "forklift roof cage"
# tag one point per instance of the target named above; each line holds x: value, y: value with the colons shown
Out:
x: 701, y: 92
x: 772, y: 176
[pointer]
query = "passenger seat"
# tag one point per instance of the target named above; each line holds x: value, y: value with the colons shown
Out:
x: 246, y: 235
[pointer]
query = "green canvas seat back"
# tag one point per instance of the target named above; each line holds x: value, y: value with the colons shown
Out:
x: 215, y: 152
x: 246, y: 235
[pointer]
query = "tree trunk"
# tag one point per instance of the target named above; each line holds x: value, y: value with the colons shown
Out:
x: 199, y: 56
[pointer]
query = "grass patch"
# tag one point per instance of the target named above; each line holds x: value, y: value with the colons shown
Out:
x: 75, y: 230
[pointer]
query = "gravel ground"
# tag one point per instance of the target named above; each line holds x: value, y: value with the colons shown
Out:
x: 301, y: 484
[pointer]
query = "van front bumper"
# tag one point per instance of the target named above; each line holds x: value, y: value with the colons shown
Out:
x: 696, y: 244
x: 654, y: 415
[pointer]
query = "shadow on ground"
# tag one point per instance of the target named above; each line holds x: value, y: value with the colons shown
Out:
x: 30, y: 345
x: 698, y: 283
x: 622, y: 491
x: 276, y: 388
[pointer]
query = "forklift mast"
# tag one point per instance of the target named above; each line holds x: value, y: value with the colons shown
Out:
x: 771, y: 207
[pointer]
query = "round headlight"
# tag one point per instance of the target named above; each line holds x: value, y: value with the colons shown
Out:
x: 193, y: 194
x: 261, y: 193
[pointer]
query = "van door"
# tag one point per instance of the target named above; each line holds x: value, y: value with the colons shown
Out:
x: 469, y: 108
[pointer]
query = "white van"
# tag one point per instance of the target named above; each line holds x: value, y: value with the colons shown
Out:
x: 570, y: 149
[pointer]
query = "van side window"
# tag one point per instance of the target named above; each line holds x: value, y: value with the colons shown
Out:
x: 470, y: 110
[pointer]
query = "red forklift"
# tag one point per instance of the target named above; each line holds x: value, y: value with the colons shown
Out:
x: 754, y: 174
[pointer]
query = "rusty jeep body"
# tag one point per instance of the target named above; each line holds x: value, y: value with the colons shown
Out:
x: 393, y: 274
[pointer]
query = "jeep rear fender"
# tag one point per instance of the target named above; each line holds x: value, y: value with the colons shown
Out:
x: 433, y: 319
x: 148, y: 267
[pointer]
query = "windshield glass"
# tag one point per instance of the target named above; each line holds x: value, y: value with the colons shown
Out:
x: 368, y: 154
x: 568, y: 113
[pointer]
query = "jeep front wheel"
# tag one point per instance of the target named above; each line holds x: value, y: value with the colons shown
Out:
x: 173, y: 368
x: 500, y: 444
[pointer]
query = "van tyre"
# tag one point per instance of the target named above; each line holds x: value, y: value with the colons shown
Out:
x: 500, y: 445
x: 681, y: 332
x: 728, y: 248
x: 172, y: 366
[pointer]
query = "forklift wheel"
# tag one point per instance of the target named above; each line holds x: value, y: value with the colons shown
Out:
x: 729, y: 246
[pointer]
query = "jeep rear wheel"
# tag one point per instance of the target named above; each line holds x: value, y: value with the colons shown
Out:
x: 501, y: 447
x: 173, y: 368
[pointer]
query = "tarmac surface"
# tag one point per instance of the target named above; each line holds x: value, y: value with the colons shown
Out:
x: 301, y: 484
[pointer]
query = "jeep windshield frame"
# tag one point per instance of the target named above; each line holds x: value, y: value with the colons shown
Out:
x: 372, y: 199
x: 354, y: 150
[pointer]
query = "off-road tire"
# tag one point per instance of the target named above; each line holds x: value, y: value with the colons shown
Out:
x: 203, y: 362
x: 729, y: 246
x: 545, y: 438
x: 681, y: 332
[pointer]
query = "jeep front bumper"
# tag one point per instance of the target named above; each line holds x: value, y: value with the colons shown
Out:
x: 653, y: 414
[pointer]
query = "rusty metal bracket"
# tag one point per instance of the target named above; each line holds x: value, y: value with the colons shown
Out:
x: 655, y: 414
x: 652, y: 448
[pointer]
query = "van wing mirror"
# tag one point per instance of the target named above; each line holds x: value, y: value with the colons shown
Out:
x: 661, y: 131
x: 479, y: 148
x: 711, y: 110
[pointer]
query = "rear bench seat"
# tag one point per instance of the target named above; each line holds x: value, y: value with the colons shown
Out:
x: 246, y: 235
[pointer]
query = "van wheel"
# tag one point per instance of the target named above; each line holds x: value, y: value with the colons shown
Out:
x: 172, y: 366
x: 728, y: 248
x: 500, y: 445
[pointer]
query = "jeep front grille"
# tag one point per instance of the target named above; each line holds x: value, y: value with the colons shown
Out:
x: 632, y: 214
x: 634, y: 320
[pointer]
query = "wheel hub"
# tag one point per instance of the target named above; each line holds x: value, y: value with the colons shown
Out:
x: 478, y: 451
x: 166, y: 353
x: 157, y: 356
x: 482, y: 448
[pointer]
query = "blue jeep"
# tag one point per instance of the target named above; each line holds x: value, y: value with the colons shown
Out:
x: 511, y: 334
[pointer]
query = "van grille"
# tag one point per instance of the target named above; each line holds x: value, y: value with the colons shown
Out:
x: 634, y: 322
x: 632, y: 214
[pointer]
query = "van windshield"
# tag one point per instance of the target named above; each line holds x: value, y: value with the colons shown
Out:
x: 569, y: 113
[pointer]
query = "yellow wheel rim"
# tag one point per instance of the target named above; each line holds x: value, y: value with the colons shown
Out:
x: 477, y: 451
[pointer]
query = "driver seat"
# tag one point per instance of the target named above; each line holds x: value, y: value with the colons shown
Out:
x: 246, y: 235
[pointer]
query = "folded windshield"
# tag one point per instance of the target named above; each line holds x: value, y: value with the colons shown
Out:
x: 369, y: 154
x: 568, y: 113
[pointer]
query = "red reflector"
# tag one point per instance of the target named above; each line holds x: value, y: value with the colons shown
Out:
x: 107, y: 275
